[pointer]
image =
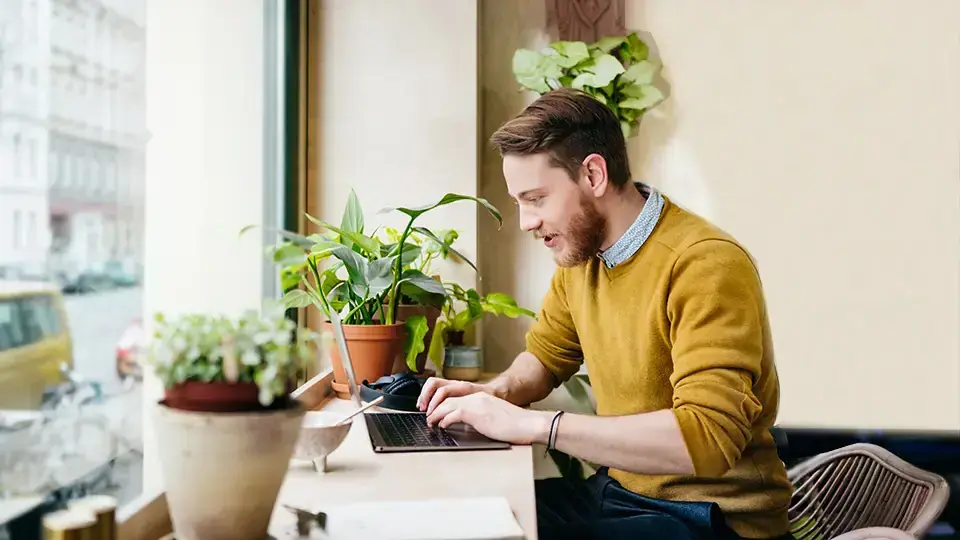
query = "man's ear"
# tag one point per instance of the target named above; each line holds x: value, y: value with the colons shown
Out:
x: 595, y: 169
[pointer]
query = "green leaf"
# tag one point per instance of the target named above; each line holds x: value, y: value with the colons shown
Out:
x: 598, y: 72
x: 626, y: 128
x: 503, y: 304
x: 368, y: 244
x: 429, y: 234
x: 324, y: 249
x: 379, y: 275
x: 354, y: 263
x: 609, y: 43
x: 410, y: 252
x: 416, y: 327
x: 289, y: 255
x: 449, y: 198
x: 527, y: 71
x: 640, y: 73
x: 532, y: 70
x: 422, y: 297
x: 435, y: 352
x: 569, y: 53
x: 651, y: 96
x: 352, y: 219
x: 605, y: 68
x: 297, y: 298
x: 422, y: 281
x: 290, y: 277
x: 636, y: 48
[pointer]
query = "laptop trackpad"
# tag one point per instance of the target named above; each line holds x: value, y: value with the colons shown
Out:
x: 465, y: 434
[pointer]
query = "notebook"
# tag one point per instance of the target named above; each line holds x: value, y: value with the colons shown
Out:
x: 481, y: 518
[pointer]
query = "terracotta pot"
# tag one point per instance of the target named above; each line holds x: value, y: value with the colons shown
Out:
x: 405, y: 311
x: 218, y: 396
x: 222, y: 472
x: 373, y: 351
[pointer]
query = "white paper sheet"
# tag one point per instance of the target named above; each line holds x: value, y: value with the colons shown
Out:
x: 486, y: 518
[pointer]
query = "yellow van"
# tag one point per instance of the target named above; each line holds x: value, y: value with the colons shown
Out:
x: 34, y: 342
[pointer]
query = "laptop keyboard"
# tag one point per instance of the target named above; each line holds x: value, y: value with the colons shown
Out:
x: 402, y: 429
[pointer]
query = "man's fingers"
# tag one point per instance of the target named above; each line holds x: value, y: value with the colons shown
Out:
x: 452, y: 418
x: 426, y: 393
x: 441, y: 394
x: 443, y: 409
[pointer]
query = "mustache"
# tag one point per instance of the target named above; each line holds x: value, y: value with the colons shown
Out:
x: 540, y: 235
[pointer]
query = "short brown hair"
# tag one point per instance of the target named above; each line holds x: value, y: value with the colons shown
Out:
x: 569, y: 125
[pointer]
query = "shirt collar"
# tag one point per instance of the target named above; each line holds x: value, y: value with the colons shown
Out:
x: 632, y: 240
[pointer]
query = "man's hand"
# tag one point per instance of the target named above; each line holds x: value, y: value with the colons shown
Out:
x: 435, y: 390
x: 493, y: 417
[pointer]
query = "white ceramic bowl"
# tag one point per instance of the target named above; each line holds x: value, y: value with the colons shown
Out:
x: 319, y: 437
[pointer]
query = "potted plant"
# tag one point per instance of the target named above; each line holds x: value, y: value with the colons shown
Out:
x: 364, y: 279
x: 616, y: 70
x: 433, y: 247
x: 465, y: 309
x: 226, y: 391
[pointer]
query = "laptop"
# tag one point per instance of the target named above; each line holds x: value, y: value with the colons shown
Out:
x: 408, y: 431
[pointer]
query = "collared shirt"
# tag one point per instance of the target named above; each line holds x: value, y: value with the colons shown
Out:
x: 639, y: 231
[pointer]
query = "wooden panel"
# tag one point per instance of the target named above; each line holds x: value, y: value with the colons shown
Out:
x: 585, y: 20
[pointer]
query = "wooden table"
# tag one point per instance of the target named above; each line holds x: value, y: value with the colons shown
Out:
x: 356, y: 473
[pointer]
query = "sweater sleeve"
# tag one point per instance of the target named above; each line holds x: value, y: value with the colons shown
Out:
x: 715, y: 309
x: 553, y: 338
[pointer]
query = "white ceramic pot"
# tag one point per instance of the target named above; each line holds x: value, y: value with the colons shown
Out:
x: 222, y: 471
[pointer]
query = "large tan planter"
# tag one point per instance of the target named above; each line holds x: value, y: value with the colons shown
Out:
x: 222, y: 471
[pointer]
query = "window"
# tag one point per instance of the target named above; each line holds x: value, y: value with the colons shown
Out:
x: 62, y: 230
x: 28, y: 320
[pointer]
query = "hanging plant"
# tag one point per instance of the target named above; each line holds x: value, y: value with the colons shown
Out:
x: 617, y: 71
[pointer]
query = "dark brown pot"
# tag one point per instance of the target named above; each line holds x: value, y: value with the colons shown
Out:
x: 405, y: 311
x: 218, y: 397
x: 373, y: 351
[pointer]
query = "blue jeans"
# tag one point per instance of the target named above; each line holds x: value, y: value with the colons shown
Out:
x: 599, y: 507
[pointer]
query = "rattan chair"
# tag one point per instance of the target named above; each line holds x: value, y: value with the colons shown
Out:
x: 864, y: 492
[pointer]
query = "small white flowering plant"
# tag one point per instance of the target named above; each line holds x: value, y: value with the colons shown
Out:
x: 266, y: 350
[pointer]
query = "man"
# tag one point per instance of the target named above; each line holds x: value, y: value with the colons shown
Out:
x: 667, y: 313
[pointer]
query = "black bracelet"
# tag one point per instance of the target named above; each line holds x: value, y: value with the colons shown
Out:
x: 552, y: 436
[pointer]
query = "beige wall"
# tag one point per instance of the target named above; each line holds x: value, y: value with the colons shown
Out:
x: 824, y: 135
x: 397, y: 113
x: 204, y: 177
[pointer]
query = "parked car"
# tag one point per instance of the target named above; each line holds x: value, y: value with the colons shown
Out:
x: 35, y: 342
x: 130, y: 349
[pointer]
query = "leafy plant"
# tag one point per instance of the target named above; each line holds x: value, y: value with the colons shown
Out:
x: 615, y: 70
x: 431, y: 250
x: 363, y: 277
x: 465, y: 308
x: 268, y: 350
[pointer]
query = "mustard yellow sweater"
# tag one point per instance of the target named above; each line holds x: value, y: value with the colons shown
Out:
x: 681, y: 325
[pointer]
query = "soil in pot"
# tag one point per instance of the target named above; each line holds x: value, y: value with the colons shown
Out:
x: 373, y: 351
x: 219, y: 397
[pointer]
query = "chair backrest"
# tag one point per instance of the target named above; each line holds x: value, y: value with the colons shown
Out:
x: 860, y: 486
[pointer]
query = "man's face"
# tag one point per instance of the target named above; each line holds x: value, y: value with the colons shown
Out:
x: 557, y: 210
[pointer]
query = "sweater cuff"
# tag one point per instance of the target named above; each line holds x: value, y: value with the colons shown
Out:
x: 707, y: 454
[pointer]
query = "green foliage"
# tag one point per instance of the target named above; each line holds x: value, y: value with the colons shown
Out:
x: 464, y: 308
x: 268, y: 350
x: 615, y: 70
x: 356, y: 273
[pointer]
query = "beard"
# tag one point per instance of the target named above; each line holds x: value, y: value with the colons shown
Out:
x: 583, y: 237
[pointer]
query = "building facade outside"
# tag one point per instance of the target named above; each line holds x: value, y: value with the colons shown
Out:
x: 72, y: 136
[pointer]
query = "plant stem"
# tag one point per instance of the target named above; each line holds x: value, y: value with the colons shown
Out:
x: 316, y: 275
x: 395, y: 288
